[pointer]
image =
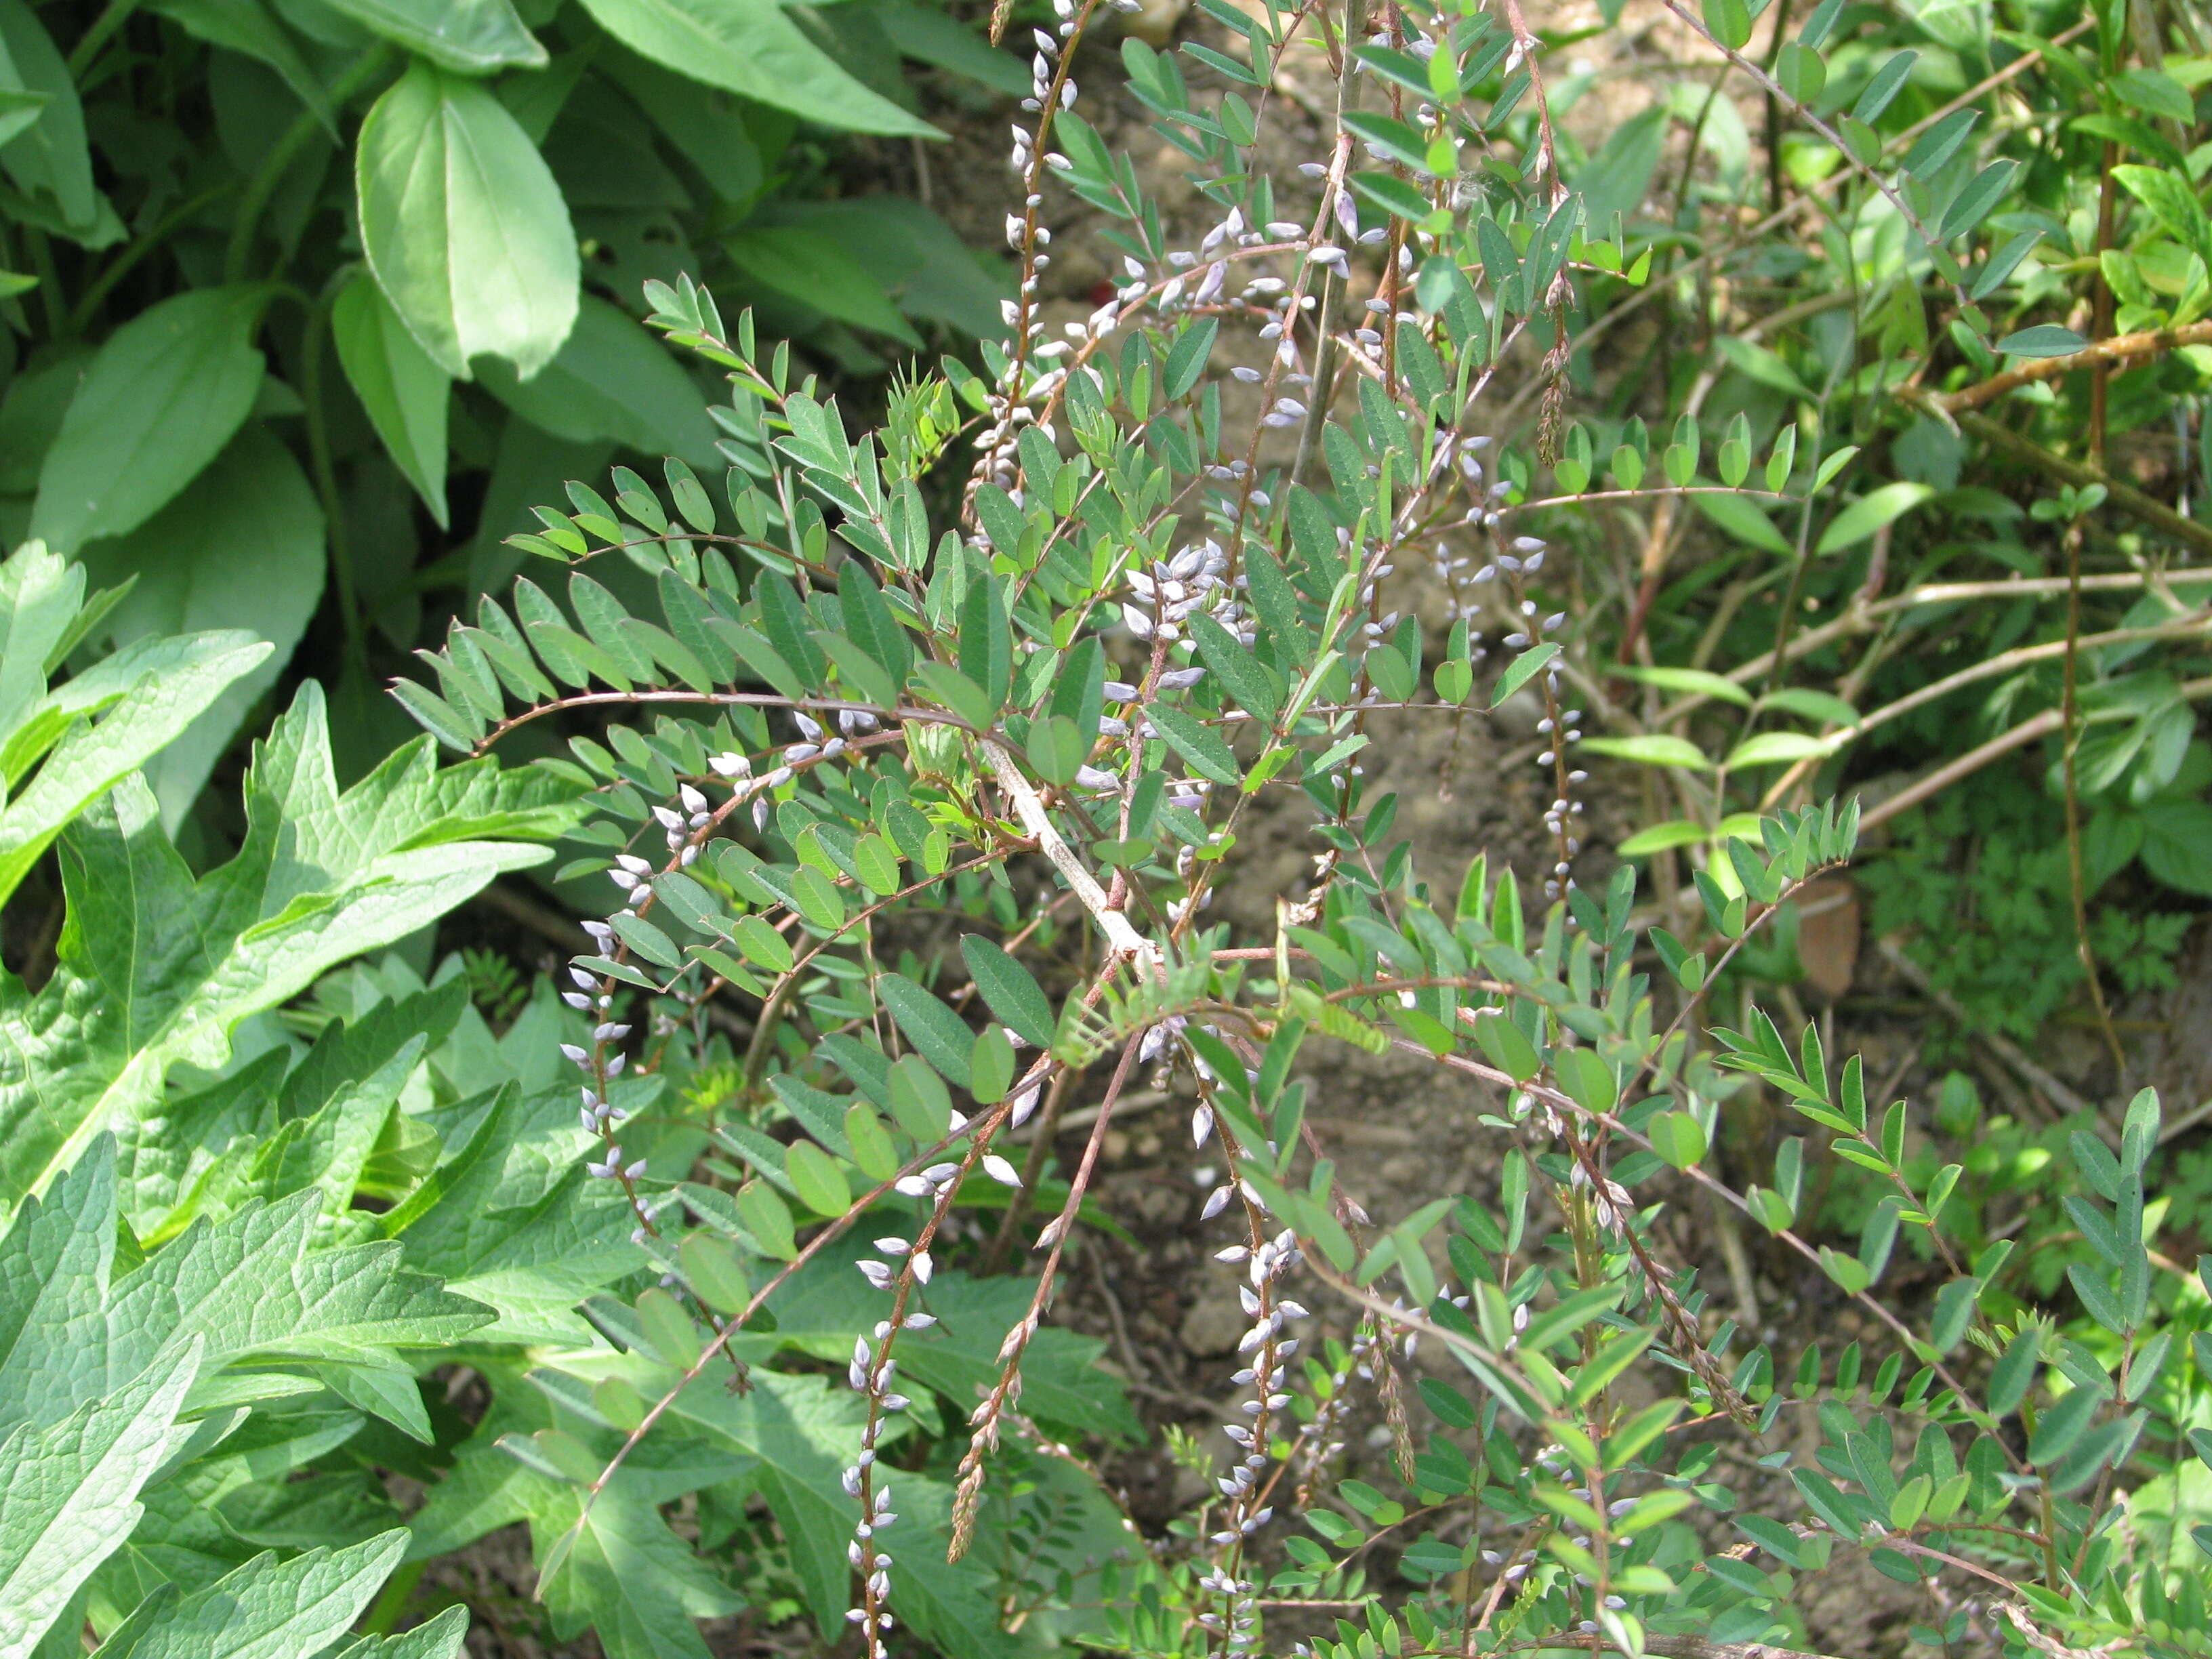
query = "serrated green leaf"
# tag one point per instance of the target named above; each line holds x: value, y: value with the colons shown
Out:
x: 159, y: 966
x: 69, y: 1491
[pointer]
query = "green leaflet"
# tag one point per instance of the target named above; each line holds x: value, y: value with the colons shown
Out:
x: 157, y: 967
x: 1208, y: 754
x: 939, y: 1035
x: 1013, y: 995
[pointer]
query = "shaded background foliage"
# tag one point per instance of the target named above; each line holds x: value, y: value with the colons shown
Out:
x: 310, y: 302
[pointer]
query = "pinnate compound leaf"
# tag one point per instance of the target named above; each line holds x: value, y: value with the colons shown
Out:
x: 69, y: 1493
x: 751, y: 48
x: 464, y: 228
x: 161, y: 400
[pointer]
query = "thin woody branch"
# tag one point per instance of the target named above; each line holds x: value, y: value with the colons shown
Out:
x: 2120, y: 353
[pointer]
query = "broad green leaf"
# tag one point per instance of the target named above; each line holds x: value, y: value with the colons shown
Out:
x: 436, y: 1638
x: 811, y: 268
x: 1651, y: 749
x: 2177, y: 844
x: 256, y: 1283
x: 1659, y: 838
x: 512, y: 1221
x: 157, y: 967
x: 103, y: 723
x: 50, y: 159
x: 2173, y: 202
x: 247, y: 26
x: 1870, y: 513
x: 272, y: 1609
x: 161, y: 399
x: 190, y: 575
x: 469, y: 37
x: 69, y: 1493
x: 916, y: 257
x: 18, y: 110
x: 628, y: 1578
x: 405, y: 393
x: 751, y: 48
x: 799, y: 1434
x: 820, y: 1307
x: 930, y: 36
x: 612, y: 379
x: 463, y: 225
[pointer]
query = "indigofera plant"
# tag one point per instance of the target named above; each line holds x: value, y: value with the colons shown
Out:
x: 922, y: 766
x: 920, y: 788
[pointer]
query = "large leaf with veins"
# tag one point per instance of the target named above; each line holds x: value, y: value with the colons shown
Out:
x: 157, y: 968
